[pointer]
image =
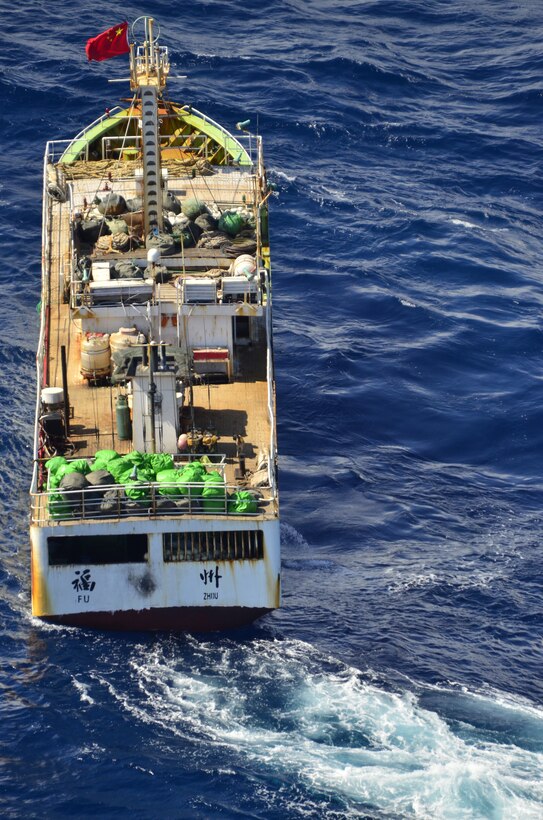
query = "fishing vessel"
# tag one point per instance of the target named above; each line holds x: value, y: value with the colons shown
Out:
x: 154, y: 500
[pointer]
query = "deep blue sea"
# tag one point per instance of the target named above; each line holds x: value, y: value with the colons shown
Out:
x: 403, y: 676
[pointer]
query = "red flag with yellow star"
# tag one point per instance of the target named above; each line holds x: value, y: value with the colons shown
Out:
x: 110, y: 43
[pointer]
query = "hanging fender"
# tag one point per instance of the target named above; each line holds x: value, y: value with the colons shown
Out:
x: 56, y: 192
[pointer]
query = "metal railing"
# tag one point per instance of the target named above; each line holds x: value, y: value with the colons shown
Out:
x: 144, y: 500
x: 198, y: 144
x: 54, y: 149
x: 236, y: 146
x: 112, y: 113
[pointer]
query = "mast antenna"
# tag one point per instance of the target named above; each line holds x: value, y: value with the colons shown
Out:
x: 149, y: 68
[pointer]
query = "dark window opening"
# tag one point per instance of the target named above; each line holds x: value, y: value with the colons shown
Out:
x: 213, y: 546
x: 97, y: 549
x: 242, y: 329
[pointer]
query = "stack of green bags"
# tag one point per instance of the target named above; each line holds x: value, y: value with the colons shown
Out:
x: 135, y: 471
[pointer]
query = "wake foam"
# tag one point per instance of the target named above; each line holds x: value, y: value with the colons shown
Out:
x: 306, y: 718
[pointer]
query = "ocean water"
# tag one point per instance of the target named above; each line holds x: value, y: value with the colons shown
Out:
x: 403, y: 676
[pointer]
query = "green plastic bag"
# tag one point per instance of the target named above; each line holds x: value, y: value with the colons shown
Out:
x: 120, y: 470
x: 135, y: 457
x: 197, y: 469
x: 54, y: 481
x: 187, y: 478
x: 145, y: 473
x: 137, y: 490
x: 214, y: 477
x: 169, y: 477
x: 105, y: 456
x: 54, y: 463
x: 79, y: 465
x: 59, y: 507
x: 160, y: 462
x: 242, y: 501
x: 214, y: 493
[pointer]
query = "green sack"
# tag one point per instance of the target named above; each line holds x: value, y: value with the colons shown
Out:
x: 188, y: 477
x: 54, y: 463
x: 58, y: 506
x: 169, y: 477
x: 145, y: 473
x: 79, y: 465
x: 105, y: 456
x: 135, y: 457
x: 160, y: 461
x: 193, y: 208
x: 137, y: 490
x: 166, y: 476
x: 198, y: 467
x: 242, y: 501
x: 54, y: 481
x: 212, y: 479
x: 120, y: 470
x: 214, y: 493
x: 231, y: 223
x: 214, y: 505
x: 100, y: 465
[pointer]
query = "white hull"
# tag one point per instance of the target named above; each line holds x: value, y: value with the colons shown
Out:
x: 176, y: 590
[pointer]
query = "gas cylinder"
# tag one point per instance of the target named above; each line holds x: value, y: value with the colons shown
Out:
x: 124, y: 424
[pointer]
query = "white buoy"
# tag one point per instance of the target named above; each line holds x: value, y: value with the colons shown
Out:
x: 244, y: 265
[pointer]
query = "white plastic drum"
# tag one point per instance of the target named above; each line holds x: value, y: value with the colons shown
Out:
x: 52, y: 396
x: 124, y: 338
x: 95, y: 355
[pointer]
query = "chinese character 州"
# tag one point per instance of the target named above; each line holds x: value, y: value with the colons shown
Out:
x: 82, y: 581
x: 209, y: 575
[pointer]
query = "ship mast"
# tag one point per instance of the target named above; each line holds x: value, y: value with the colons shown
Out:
x: 149, y: 67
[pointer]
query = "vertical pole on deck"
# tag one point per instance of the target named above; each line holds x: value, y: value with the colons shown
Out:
x: 65, y: 389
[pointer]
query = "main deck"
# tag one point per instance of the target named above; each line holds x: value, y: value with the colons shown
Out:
x: 237, y: 408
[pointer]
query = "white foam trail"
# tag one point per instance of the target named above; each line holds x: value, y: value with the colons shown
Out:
x: 83, y: 690
x: 45, y: 626
x: 283, y: 705
x: 291, y: 536
x: 283, y: 175
x: 463, y: 223
x: 477, y: 580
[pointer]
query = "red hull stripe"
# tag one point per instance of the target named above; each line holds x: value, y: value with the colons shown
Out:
x: 169, y: 619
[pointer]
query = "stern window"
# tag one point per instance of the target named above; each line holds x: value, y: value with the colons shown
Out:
x: 233, y: 545
x: 97, y: 549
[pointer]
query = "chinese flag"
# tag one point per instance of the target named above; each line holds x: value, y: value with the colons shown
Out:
x: 110, y: 43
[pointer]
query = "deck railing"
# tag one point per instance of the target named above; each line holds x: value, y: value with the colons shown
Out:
x: 237, y: 147
x: 117, y: 501
x: 124, y: 146
x: 54, y: 149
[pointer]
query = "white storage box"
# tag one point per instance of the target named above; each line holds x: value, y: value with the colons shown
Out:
x: 200, y: 291
x: 239, y: 289
x: 101, y: 271
x: 131, y: 291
